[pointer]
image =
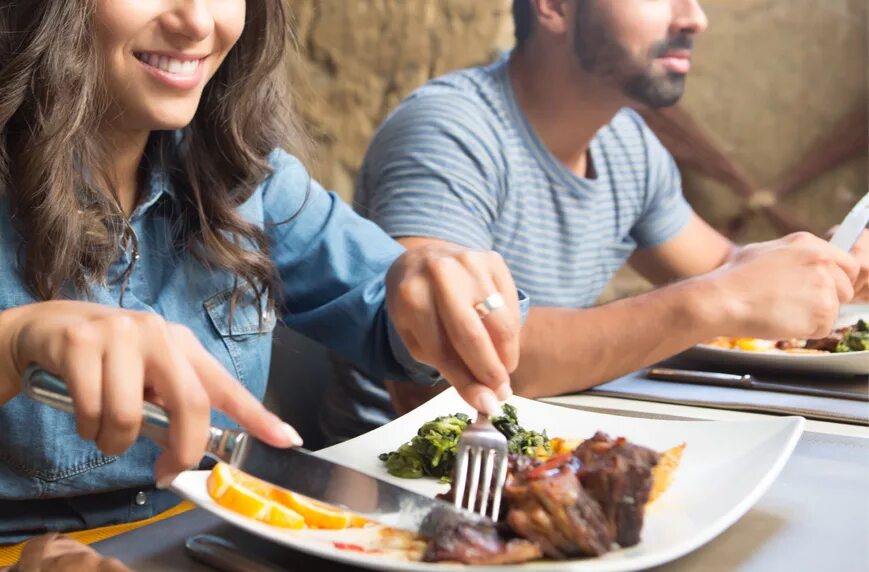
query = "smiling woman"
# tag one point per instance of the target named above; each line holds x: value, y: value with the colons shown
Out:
x: 157, y: 80
x: 146, y: 183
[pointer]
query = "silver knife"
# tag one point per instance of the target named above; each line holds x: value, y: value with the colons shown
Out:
x: 295, y: 469
x: 746, y: 382
x: 852, y: 226
x: 220, y: 554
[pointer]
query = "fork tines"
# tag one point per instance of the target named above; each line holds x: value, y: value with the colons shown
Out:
x: 481, y: 446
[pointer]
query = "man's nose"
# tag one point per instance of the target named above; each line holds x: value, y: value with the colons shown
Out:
x: 688, y: 17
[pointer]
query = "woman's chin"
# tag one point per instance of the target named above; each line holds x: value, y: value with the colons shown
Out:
x: 175, y: 117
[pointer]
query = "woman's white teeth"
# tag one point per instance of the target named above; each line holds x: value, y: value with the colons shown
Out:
x: 170, y: 65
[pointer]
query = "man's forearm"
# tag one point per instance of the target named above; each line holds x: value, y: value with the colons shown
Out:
x: 566, y: 350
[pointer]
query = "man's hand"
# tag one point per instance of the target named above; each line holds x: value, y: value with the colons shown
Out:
x: 57, y: 553
x: 786, y: 288
x: 861, y: 253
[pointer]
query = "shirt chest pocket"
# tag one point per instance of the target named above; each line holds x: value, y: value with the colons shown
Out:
x: 245, y: 330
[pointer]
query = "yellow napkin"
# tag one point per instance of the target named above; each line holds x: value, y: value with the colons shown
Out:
x: 9, y: 554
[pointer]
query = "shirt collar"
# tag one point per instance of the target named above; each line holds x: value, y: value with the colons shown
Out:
x: 160, y: 157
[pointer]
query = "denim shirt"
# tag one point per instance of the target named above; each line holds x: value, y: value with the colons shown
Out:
x: 332, y: 264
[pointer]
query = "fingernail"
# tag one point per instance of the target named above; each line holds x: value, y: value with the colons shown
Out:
x: 504, y: 391
x: 490, y: 404
x: 291, y: 434
x: 164, y: 482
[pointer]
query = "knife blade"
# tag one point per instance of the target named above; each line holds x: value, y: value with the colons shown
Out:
x: 295, y: 469
x: 852, y: 225
x: 745, y: 382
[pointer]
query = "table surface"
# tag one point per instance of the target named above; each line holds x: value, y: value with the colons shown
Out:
x: 815, y: 515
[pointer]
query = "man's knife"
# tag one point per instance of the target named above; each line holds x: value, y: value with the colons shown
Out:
x: 295, y: 469
x: 852, y: 226
x: 746, y: 382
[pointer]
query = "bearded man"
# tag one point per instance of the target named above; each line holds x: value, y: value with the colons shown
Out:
x: 542, y: 158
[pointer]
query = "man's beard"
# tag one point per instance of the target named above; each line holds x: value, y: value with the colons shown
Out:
x: 601, y: 55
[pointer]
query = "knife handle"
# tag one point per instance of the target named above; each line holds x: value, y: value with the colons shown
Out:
x: 50, y: 390
x: 223, y: 555
x: 701, y: 377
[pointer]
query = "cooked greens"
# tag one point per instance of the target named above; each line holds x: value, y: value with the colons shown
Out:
x: 433, y: 450
x: 520, y: 441
x: 855, y: 340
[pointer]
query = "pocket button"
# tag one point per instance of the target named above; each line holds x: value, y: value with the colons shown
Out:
x: 141, y: 498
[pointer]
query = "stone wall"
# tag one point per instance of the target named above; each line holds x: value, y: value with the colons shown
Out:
x: 770, y: 78
x: 360, y: 58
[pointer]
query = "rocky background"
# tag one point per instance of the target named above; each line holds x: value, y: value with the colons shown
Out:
x: 771, y: 77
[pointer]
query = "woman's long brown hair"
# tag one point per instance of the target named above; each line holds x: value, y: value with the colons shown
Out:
x: 51, y: 103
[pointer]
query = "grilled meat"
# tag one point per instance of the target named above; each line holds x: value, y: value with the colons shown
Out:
x: 479, y: 544
x: 574, y: 504
x: 618, y: 475
x: 549, y: 506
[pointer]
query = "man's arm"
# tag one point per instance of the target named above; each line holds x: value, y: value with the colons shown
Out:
x: 697, y: 249
x: 789, y: 288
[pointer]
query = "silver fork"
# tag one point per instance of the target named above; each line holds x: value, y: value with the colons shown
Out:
x: 480, y: 440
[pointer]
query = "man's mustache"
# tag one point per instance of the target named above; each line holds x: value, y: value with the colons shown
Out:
x: 680, y: 42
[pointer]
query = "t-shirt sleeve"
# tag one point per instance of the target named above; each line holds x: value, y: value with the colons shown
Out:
x: 665, y: 212
x: 431, y: 171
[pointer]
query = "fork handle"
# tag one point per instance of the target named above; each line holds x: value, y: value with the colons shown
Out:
x: 50, y: 390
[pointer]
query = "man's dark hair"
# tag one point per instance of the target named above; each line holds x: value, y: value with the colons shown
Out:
x: 523, y: 21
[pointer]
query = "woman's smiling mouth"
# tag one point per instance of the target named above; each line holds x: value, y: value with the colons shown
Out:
x: 180, y: 71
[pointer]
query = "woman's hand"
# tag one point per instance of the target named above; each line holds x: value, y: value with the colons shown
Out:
x: 112, y: 360
x: 432, y: 295
x: 57, y: 553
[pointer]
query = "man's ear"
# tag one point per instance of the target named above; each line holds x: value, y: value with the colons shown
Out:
x: 552, y: 16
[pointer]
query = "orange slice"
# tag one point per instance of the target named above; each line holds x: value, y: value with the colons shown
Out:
x: 314, y: 512
x: 232, y: 490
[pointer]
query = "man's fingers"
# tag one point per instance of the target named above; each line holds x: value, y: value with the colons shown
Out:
x: 844, y: 285
x: 844, y: 260
x: 228, y: 395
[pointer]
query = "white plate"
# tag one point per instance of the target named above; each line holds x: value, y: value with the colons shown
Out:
x: 726, y: 467
x: 850, y: 363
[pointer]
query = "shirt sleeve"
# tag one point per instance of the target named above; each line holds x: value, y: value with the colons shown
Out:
x: 332, y: 265
x: 431, y: 171
x: 665, y: 212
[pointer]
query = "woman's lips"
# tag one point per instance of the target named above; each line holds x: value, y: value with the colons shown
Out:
x: 177, y: 71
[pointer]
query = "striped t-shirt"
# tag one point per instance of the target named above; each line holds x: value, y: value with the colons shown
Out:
x: 458, y: 161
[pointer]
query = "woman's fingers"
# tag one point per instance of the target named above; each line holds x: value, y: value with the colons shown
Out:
x: 229, y: 396
x: 185, y: 400
x: 477, y: 395
x: 503, y: 324
x: 82, y: 369
x: 122, y: 387
x: 467, y: 335
x: 433, y: 299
